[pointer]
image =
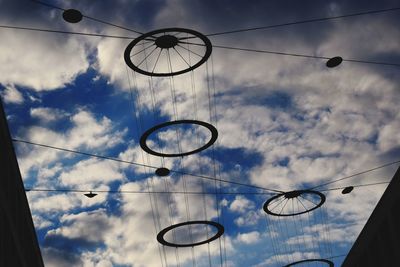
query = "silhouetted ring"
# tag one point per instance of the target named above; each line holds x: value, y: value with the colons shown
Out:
x: 160, y: 236
x: 294, y: 194
x: 143, y: 138
x: 330, y: 264
x: 167, y: 42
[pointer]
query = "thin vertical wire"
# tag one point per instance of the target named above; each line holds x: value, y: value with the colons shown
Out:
x: 301, y: 217
x: 216, y: 125
x: 214, y: 163
x: 296, y: 232
x: 183, y: 177
x: 138, y: 124
x: 194, y: 99
x: 169, y: 200
x: 275, y: 247
x: 153, y: 100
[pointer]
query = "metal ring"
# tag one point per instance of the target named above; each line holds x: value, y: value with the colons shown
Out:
x: 149, y: 37
x: 143, y: 138
x: 330, y: 263
x: 160, y: 236
x: 298, y: 193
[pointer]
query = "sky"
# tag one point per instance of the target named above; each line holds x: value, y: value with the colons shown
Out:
x: 284, y: 123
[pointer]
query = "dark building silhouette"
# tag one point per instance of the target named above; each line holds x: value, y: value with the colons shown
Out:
x: 378, y: 244
x: 18, y: 243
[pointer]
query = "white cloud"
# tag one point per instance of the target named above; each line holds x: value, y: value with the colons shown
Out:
x: 91, y: 172
x: 130, y: 236
x: 60, y: 258
x: 48, y: 62
x: 249, y: 218
x: 11, y: 94
x: 47, y: 114
x: 45, y: 203
x: 388, y: 136
x: 41, y: 222
x: 76, y: 225
x: 249, y: 238
x: 288, y: 258
x: 241, y: 204
x: 86, y: 131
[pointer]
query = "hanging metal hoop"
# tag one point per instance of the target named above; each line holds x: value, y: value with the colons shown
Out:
x: 167, y: 52
x: 160, y: 236
x: 328, y: 262
x: 143, y: 138
x: 277, y: 205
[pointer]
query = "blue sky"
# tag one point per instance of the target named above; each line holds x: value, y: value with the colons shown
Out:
x: 284, y: 123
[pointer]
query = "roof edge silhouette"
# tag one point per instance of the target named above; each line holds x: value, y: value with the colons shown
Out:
x: 18, y: 241
x: 378, y: 243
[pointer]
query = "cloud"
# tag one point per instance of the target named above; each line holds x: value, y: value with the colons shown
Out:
x: 58, y: 257
x: 249, y: 218
x: 41, y: 222
x: 388, y: 137
x: 86, y: 131
x: 289, y: 258
x: 56, y: 60
x: 47, y: 114
x: 75, y: 225
x: 11, y: 94
x: 248, y: 238
x: 91, y: 172
x: 241, y: 204
x: 130, y: 236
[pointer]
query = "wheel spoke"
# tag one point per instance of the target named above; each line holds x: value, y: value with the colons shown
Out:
x: 176, y: 34
x: 182, y: 57
x: 191, y: 43
x: 185, y: 38
x: 190, y: 51
x: 142, y: 50
x: 147, y: 56
x: 308, y: 200
x: 169, y: 62
x: 302, y: 204
x: 155, y: 64
x: 287, y: 200
x: 150, y: 38
x: 280, y: 202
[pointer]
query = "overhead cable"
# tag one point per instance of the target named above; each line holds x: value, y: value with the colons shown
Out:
x: 141, y: 165
x: 65, y: 32
x: 359, y: 185
x: 306, y: 21
x: 356, y: 174
x: 33, y: 189
x: 304, y: 56
x: 85, y: 16
x: 216, y: 46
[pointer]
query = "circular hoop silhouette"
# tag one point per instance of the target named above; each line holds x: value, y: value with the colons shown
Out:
x: 167, y: 52
x: 328, y: 262
x: 143, y: 138
x: 160, y: 236
x: 301, y: 203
